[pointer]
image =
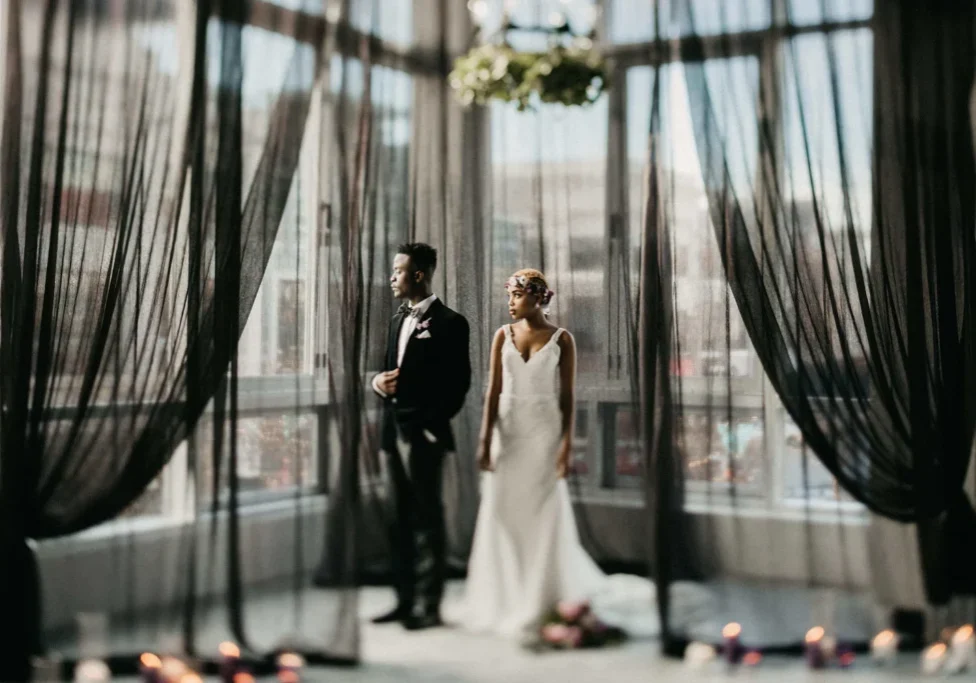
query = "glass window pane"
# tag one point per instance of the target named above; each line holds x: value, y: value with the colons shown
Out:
x: 549, y: 198
x: 712, y: 336
x: 277, y: 452
x: 721, y: 452
x: 806, y: 13
x: 804, y: 476
x: 634, y: 21
x: 389, y: 20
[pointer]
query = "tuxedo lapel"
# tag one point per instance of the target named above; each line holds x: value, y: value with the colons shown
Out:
x: 391, y: 346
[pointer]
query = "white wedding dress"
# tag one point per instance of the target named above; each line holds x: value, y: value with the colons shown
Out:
x: 526, y: 554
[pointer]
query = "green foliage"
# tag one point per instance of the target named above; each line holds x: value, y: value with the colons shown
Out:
x: 572, y: 76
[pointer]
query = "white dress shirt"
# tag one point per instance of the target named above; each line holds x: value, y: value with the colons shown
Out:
x: 410, y: 324
x: 406, y: 330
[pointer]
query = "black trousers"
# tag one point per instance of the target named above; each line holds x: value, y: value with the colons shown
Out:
x: 417, y: 530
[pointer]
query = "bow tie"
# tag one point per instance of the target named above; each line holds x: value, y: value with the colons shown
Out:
x: 406, y: 309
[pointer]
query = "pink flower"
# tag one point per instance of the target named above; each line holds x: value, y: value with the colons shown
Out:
x: 574, y: 637
x: 571, y: 611
x: 555, y: 634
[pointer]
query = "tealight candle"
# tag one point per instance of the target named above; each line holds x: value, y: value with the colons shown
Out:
x: 230, y: 657
x: 962, y: 650
x: 732, y: 648
x: 172, y: 669
x: 813, y: 647
x: 289, y: 667
x: 697, y: 655
x: 150, y: 666
x: 884, y: 647
x: 933, y: 657
x: 92, y: 671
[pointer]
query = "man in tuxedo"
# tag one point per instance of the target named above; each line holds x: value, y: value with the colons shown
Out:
x: 423, y: 385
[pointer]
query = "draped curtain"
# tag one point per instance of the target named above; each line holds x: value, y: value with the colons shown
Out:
x: 838, y: 177
x: 146, y: 170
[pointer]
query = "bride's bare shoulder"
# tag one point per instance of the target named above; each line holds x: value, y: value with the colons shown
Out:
x: 566, y: 340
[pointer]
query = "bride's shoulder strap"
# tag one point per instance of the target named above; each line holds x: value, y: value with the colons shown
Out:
x: 556, y: 334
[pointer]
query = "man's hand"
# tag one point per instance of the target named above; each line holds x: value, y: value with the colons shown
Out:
x: 386, y: 382
x: 563, y: 459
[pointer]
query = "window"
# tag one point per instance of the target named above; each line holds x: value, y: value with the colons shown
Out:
x: 553, y: 163
x: 276, y: 453
x: 712, y: 339
x: 635, y: 22
x: 719, y: 452
x: 753, y: 444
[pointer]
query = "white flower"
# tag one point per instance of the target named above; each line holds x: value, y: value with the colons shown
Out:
x: 500, y: 67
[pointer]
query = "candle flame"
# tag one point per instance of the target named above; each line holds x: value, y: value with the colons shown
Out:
x: 229, y: 649
x: 291, y: 660
x: 884, y: 638
x: 752, y: 658
x: 150, y: 661
x: 935, y: 651
x: 731, y: 630
x: 243, y: 677
x: 815, y: 634
x: 963, y: 634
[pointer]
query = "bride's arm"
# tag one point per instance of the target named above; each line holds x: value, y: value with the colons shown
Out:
x: 567, y: 398
x: 490, y: 414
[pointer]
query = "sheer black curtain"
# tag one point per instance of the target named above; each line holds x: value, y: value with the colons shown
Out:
x: 146, y: 170
x: 839, y: 184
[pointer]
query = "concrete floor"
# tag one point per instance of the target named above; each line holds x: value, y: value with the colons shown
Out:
x: 450, y: 655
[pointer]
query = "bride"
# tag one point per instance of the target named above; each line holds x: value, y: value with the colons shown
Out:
x: 526, y: 554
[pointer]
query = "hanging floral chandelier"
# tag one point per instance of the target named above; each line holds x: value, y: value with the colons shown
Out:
x: 570, y: 72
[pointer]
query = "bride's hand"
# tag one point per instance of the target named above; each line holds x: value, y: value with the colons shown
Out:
x: 563, y: 459
x: 484, y: 457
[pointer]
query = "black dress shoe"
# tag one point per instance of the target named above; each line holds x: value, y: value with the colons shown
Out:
x: 394, y: 615
x: 424, y: 621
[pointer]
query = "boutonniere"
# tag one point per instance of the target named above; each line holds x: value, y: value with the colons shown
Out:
x: 422, y: 330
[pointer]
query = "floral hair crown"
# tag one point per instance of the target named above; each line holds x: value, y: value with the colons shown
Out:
x: 530, y: 285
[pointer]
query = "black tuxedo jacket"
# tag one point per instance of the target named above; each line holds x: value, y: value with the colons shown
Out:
x: 434, y: 379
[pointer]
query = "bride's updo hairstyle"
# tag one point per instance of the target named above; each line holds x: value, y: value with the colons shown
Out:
x: 531, y: 281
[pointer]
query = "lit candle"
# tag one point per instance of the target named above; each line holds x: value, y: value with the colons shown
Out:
x: 230, y: 657
x: 92, y: 671
x: 289, y: 667
x: 933, y: 657
x: 813, y: 647
x: 243, y: 677
x: 172, y: 669
x: 150, y: 665
x: 698, y: 655
x: 962, y: 650
x: 752, y: 658
x: 884, y: 647
x: 732, y: 648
